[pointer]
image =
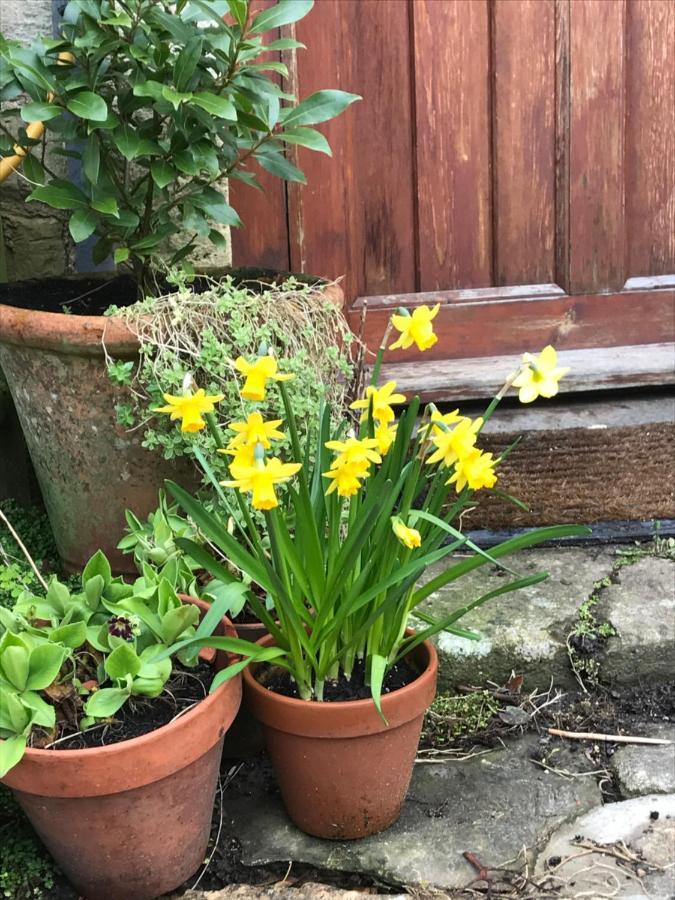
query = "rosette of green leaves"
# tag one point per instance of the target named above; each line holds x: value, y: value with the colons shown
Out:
x: 124, y: 626
x: 160, y: 100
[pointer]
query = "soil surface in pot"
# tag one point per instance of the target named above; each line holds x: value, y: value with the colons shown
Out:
x: 141, y: 715
x: 246, y: 617
x: 354, y: 688
x: 93, y: 296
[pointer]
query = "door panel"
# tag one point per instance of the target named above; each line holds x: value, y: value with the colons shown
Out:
x: 515, y: 159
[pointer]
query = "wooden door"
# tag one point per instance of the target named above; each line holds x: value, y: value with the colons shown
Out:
x: 514, y: 159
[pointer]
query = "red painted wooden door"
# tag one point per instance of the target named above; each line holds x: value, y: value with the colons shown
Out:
x: 513, y: 158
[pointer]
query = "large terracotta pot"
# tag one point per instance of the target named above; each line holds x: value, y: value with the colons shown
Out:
x: 90, y: 469
x: 131, y: 821
x: 342, y: 772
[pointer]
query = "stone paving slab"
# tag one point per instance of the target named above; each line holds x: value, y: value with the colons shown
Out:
x: 646, y: 769
x: 310, y: 891
x: 645, y: 825
x: 493, y: 804
x: 641, y: 607
x: 524, y: 631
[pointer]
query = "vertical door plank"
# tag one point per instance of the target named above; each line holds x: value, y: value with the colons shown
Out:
x: 382, y: 206
x: 452, y: 62
x: 355, y: 216
x: 562, y: 144
x: 597, y: 231
x: 650, y: 137
x: 263, y: 238
x: 319, y: 211
x: 524, y: 141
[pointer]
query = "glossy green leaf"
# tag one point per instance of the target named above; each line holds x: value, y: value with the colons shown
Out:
x: 82, y: 224
x: 283, y: 13
x: 59, y: 194
x: 88, y: 105
x: 215, y: 105
x: 72, y: 635
x: 11, y: 752
x: 97, y: 565
x: 186, y: 63
x: 106, y: 702
x: 122, y: 661
x: 91, y: 159
x: 40, y: 112
x: 14, y: 665
x: 162, y: 173
x: 306, y: 137
x: 45, y: 662
x: 318, y: 107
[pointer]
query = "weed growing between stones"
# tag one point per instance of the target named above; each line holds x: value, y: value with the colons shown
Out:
x: 452, y: 717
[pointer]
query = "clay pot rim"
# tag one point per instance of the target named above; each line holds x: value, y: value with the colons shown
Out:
x: 179, y: 753
x: 346, y: 718
x: 61, y: 333
x: 83, y: 335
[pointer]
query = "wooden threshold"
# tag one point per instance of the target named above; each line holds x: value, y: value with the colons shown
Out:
x: 596, y: 369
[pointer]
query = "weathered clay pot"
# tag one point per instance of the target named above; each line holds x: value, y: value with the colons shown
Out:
x: 90, y: 469
x: 131, y: 821
x: 245, y: 739
x: 342, y: 772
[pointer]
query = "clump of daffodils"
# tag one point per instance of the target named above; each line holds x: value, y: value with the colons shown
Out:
x: 351, y: 522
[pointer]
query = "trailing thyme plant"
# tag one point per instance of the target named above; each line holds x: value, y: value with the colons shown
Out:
x: 161, y: 101
x: 198, y: 337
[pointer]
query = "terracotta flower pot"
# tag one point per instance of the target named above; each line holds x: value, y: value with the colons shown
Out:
x: 245, y: 739
x: 131, y: 821
x: 90, y: 469
x: 342, y: 772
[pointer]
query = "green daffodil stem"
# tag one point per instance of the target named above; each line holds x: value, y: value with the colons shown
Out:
x: 214, y: 430
x: 380, y: 353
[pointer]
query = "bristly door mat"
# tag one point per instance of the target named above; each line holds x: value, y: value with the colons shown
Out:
x: 582, y: 475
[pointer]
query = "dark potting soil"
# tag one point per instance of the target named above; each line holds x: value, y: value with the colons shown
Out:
x: 246, y: 617
x: 91, y: 296
x: 354, y: 688
x: 141, y: 715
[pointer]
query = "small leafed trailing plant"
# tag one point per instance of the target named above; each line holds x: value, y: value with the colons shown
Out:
x: 161, y: 101
x: 69, y: 660
x: 200, y: 336
x: 364, y: 514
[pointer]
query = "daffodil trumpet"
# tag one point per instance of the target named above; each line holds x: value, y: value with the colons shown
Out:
x: 340, y: 534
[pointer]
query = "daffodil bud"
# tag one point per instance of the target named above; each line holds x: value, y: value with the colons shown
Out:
x: 259, y: 453
x: 189, y: 383
x: 263, y: 349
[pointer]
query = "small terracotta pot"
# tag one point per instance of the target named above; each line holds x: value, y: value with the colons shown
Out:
x: 131, y: 821
x: 342, y: 772
x: 245, y: 739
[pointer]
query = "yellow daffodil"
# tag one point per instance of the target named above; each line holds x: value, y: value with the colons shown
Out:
x: 257, y: 374
x: 409, y: 537
x: 260, y: 478
x: 346, y: 478
x: 385, y: 436
x: 382, y: 399
x: 441, y: 422
x: 354, y: 451
x: 255, y: 431
x: 456, y: 443
x: 475, y: 469
x: 190, y: 408
x: 540, y: 377
x: 416, y: 328
x: 243, y: 455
